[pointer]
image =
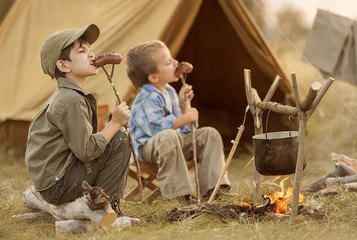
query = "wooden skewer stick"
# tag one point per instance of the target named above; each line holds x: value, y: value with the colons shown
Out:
x: 183, y: 80
x: 131, y: 139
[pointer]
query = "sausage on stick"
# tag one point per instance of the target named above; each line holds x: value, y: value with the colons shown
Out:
x: 114, y: 58
x: 181, y: 71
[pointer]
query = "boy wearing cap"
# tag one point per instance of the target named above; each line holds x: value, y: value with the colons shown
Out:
x: 160, y: 126
x: 64, y: 148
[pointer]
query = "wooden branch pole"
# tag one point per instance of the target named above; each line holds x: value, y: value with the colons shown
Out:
x: 76, y: 210
x: 278, y: 108
x: 253, y: 99
x: 304, y: 116
x: 311, y: 95
x: 257, y: 116
x: 272, y: 89
x: 303, y: 110
x: 229, y: 159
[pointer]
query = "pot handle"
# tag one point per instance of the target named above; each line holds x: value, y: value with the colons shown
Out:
x: 266, y: 124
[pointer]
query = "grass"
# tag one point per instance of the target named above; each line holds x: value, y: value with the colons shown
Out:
x: 339, y: 221
x: 330, y: 129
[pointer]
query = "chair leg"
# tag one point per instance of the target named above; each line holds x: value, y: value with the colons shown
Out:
x: 147, y: 182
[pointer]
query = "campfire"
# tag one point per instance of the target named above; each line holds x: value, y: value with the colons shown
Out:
x: 281, y: 200
x: 276, y: 203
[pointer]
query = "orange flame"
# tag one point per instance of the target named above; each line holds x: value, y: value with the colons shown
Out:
x: 282, y: 199
x: 242, y: 203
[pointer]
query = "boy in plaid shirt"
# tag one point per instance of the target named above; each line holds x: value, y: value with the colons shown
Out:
x: 160, y: 121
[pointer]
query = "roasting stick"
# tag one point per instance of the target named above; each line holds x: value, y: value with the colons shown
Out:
x: 230, y: 156
x: 183, y: 79
x: 114, y: 58
x: 182, y: 70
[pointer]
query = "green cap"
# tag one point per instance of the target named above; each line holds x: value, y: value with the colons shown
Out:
x: 52, y: 48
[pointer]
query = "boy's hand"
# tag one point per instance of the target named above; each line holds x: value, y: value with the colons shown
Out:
x: 192, y: 114
x: 121, y: 114
x: 187, y: 89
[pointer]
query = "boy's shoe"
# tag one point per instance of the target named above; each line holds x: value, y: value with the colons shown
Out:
x: 124, y: 222
x: 222, y: 190
x: 121, y: 220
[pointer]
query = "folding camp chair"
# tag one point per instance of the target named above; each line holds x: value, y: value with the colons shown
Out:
x: 148, y: 181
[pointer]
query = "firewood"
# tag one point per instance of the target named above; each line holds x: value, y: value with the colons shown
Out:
x: 342, y: 180
x: 344, y: 159
x: 333, y: 189
x: 350, y: 186
x: 329, y: 190
x: 346, y: 170
x: 341, y: 170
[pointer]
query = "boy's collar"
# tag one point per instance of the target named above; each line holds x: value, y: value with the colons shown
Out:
x: 68, y: 83
x: 149, y: 87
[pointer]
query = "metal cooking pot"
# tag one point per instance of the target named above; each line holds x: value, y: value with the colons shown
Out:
x: 275, y: 153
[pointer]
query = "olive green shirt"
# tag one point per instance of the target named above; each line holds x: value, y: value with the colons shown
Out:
x: 62, y: 132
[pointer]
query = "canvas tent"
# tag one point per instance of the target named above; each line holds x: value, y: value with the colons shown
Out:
x: 217, y: 36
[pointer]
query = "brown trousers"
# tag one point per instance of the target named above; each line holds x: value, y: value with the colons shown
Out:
x: 109, y: 172
x: 168, y: 151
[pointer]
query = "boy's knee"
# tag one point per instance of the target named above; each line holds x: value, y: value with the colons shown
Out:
x: 169, y: 140
x: 120, y: 141
x: 169, y: 136
x: 210, y: 131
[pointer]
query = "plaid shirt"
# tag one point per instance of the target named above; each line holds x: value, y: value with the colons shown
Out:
x: 149, y: 115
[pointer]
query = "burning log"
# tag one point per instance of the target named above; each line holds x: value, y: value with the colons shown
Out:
x: 226, y: 212
x: 275, y: 203
x: 233, y: 211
